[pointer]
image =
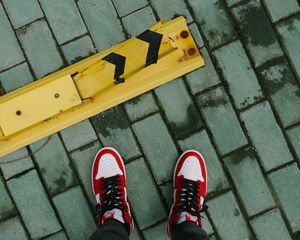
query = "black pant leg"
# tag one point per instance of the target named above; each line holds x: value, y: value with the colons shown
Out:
x: 188, y: 231
x: 111, y: 230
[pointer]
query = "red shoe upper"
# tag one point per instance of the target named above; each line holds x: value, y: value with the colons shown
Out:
x: 109, y: 187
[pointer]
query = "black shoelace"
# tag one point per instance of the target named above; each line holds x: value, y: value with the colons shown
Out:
x: 112, y: 197
x: 188, y: 198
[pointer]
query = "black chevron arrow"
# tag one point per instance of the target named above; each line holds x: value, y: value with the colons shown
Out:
x: 119, y: 61
x: 154, y: 39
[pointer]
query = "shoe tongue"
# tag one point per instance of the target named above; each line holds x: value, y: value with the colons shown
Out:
x: 115, y: 214
x: 187, y: 217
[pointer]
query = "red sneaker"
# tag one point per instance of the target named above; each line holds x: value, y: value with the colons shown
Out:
x: 109, y: 187
x: 190, y: 182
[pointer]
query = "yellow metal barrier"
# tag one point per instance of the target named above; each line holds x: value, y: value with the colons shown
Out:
x: 160, y: 54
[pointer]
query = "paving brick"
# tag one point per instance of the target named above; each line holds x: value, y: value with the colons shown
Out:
x: 217, y: 180
x: 57, y: 236
x: 286, y: 182
x: 282, y: 86
x: 214, y: 21
x: 157, y: 146
x: 260, y: 38
x: 249, y: 181
x: 40, y: 48
x: 9, y: 46
x: 222, y: 120
x: 33, y: 205
x: 237, y: 71
x: 7, y: 208
x: 270, y: 226
x: 266, y: 136
x: 12, y: 229
x: 20, y: 161
x: 61, y: 14
x: 232, y: 2
x: 278, y: 9
x: 183, y: 116
x: 72, y: 205
x: 196, y: 35
x: 158, y: 232
x: 83, y: 160
x: 114, y: 130
x: 54, y: 164
x: 139, y: 21
x: 135, y: 234
x: 168, y: 9
x: 143, y: 195
x: 289, y: 31
x: 130, y: 6
x: 102, y: 22
x: 78, y: 135
x: 206, y: 225
x: 78, y: 49
x: 22, y: 12
x: 141, y: 106
x: 227, y: 217
x: 16, y: 77
x: 294, y: 136
x: 167, y: 193
x: 204, y: 77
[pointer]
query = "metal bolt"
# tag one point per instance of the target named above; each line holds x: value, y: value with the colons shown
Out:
x: 56, y: 95
x: 18, y: 113
x: 192, y: 51
x: 184, y: 34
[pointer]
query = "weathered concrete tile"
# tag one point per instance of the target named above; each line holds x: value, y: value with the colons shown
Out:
x: 72, y: 205
x: 259, y: 38
x: 228, y: 219
x: 141, y: 106
x: 9, y: 46
x: 206, y: 225
x: 158, y: 232
x: 129, y: 6
x: 266, y: 136
x: 16, y: 77
x: 33, y: 205
x: 286, y: 183
x: 139, y: 21
x: 102, y: 22
x: 157, y: 143
x: 196, y: 35
x: 282, y: 86
x: 289, y: 31
x: 18, y: 162
x: 143, y: 194
x: 222, y: 120
x: 135, y: 234
x: 168, y: 9
x: 204, y: 77
x: 114, y: 130
x: 214, y: 20
x: 12, y: 229
x: 232, y: 2
x: 78, y: 135
x: 183, y: 116
x: 249, y: 181
x: 167, y: 193
x: 22, y: 12
x: 83, y: 160
x: 54, y: 164
x: 57, y: 236
x: 78, y: 49
x: 237, y: 71
x: 270, y: 226
x: 40, y: 48
x: 7, y: 208
x: 294, y: 136
x: 216, y: 177
x: 61, y: 14
x: 279, y: 9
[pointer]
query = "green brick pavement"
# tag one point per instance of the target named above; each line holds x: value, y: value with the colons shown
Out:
x: 241, y: 111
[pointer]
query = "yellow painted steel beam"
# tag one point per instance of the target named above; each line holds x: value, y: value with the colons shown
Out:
x: 164, y: 52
